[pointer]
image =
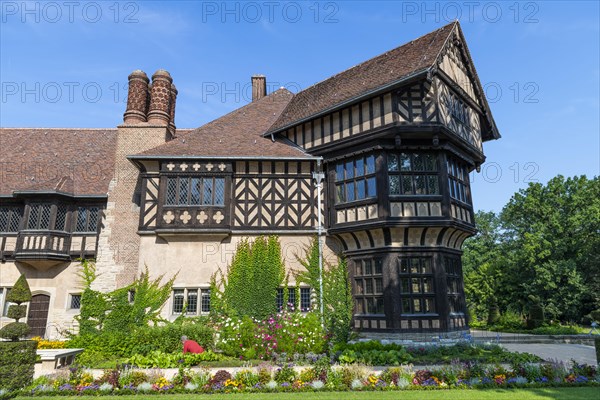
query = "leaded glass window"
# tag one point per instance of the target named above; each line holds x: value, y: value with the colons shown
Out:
x: 10, y: 219
x: 355, y: 179
x: 413, y: 174
x: 458, y: 181
x: 417, y: 294
x: 368, y: 286
x: 195, y: 191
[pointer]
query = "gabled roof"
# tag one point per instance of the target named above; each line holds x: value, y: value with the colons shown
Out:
x: 237, y: 134
x: 75, y: 162
x: 391, y: 68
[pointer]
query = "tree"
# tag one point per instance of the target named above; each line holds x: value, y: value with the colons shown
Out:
x: 337, y: 292
x: 20, y: 293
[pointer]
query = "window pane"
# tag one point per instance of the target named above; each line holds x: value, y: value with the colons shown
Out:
x: 360, y: 167
x: 416, y: 306
x: 429, y: 305
x: 15, y: 216
x: 379, y: 305
x: 406, y: 306
x: 415, y: 265
x: 427, y: 285
x: 394, y: 184
x: 369, y: 286
x: 392, y: 162
x: 371, y: 305
x: 341, y: 193
x: 4, y: 219
x: 405, y: 285
x: 371, y: 165
x: 339, y: 172
x: 192, y: 301
x: 426, y: 262
x: 430, y: 162
x: 404, y: 266
x: 360, y: 189
x: 207, y: 194
x: 359, y: 286
x: 171, y: 191
x: 378, y: 266
x: 34, y: 215
x: 205, y: 300
x: 418, y: 162
x: 360, y: 309
x: 416, y: 285
x: 378, y: 285
x: 368, y: 267
x: 195, y: 191
x: 183, y: 191
x: 359, y: 268
x: 405, y: 162
x: 432, y: 184
x: 420, y: 183
x: 350, y: 195
x: 291, y: 298
x: 407, y: 185
x: 371, y: 187
x: 76, y: 301
x: 61, y: 217
x: 177, y: 301
x: 81, y: 220
x: 304, y: 299
x: 349, y: 170
x: 451, y: 186
x: 92, y: 219
x: 219, y: 191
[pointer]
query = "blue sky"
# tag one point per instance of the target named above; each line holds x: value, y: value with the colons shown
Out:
x: 65, y: 64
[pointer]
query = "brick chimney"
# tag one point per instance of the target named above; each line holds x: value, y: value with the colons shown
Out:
x: 172, y: 109
x: 159, y: 112
x: 259, y: 87
x: 137, y: 98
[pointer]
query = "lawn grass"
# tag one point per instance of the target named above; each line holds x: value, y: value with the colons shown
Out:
x: 578, y: 393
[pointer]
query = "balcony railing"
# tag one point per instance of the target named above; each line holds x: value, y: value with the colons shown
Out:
x: 48, y: 245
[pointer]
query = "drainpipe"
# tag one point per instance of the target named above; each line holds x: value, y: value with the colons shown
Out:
x: 318, y: 176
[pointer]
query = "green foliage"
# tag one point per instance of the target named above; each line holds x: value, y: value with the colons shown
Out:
x: 17, y: 360
x: 545, y: 244
x: 595, y: 315
x: 20, y: 292
x: 158, y: 359
x: 337, y: 292
x: 17, y: 312
x: 597, y: 344
x: 113, y: 311
x: 285, y: 373
x: 14, y: 331
x: 253, y: 277
x: 141, y: 340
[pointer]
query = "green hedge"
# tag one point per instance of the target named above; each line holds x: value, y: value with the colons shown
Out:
x: 143, y: 340
x: 597, y: 343
x: 17, y: 360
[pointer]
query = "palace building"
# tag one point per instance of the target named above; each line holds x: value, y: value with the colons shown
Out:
x: 394, y: 137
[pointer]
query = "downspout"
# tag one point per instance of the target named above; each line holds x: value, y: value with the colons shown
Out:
x: 318, y: 176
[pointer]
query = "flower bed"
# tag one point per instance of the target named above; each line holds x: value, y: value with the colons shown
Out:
x: 321, y: 376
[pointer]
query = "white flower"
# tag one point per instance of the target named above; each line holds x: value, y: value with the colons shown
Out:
x: 144, y: 387
x: 271, y: 385
x: 190, y: 386
x: 356, y: 384
x: 105, y: 387
x: 318, y: 385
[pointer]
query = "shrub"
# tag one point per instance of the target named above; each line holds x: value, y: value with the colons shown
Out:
x: 536, y: 316
x: 17, y: 360
x: 219, y: 377
x: 285, y: 373
x: 597, y: 344
x: 20, y: 293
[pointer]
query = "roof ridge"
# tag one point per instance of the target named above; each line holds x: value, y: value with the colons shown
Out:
x: 57, y: 129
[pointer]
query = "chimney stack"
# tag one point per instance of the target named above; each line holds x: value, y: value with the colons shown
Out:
x: 159, y: 112
x: 172, y: 109
x: 259, y: 87
x: 137, y: 98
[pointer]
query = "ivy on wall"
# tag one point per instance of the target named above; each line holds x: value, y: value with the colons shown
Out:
x: 252, y: 279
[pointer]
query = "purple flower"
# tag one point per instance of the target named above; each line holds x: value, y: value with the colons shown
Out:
x: 66, y: 386
x: 285, y: 384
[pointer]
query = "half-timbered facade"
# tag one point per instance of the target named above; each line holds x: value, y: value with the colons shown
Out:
x: 395, y: 137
